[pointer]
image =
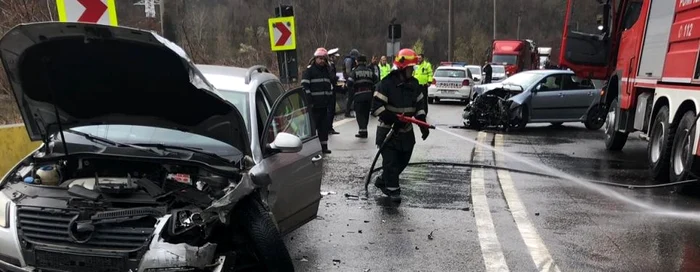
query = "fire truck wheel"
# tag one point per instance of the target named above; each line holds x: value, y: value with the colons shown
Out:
x: 614, y: 140
x: 659, y: 147
x: 681, y: 152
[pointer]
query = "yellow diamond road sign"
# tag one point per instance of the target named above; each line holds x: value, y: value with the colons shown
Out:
x: 282, y: 33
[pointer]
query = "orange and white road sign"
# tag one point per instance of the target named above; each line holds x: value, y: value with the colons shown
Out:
x: 87, y: 11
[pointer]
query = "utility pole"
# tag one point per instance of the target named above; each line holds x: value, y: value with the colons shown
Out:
x: 520, y: 14
x: 162, y: 22
x: 450, y: 19
x: 494, y: 19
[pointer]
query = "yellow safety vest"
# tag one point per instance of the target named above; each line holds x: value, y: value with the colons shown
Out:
x: 384, y: 70
x: 423, y: 73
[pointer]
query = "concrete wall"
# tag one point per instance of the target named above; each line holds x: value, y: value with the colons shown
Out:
x: 14, y: 145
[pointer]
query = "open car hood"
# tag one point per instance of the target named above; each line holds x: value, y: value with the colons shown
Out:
x: 90, y: 74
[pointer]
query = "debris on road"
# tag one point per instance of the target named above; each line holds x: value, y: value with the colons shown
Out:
x: 366, y: 221
x: 416, y: 247
x: 324, y: 193
x: 411, y: 230
x: 303, y: 259
x: 336, y: 262
x: 359, y: 231
x: 537, y: 214
x: 430, y: 236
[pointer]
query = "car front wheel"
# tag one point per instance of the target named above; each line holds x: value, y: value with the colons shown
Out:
x: 263, y: 235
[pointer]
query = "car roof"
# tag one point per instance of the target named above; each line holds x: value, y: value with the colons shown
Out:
x: 230, y: 78
x: 473, y: 66
x: 548, y: 71
x: 452, y: 67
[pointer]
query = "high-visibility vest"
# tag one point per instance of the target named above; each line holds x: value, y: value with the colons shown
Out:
x: 423, y: 73
x: 384, y: 70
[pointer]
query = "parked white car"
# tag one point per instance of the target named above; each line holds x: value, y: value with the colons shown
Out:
x: 498, y: 73
x: 475, y: 73
x: 450, y: 82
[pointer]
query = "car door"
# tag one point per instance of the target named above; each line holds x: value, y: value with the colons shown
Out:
x: 578, y: 96
x: 295, y: 189
x: 546, y: 102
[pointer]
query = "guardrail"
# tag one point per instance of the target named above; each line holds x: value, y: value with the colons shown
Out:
x: 14, y: 145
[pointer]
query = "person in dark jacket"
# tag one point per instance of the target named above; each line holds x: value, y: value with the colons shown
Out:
x: 349, y: 64
x: 317, y: 83
x: 361, y: 81
x: 331, y: 108
x: 398, y: 93
x: 488, y: 72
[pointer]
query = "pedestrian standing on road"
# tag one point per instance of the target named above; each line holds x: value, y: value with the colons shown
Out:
x: 375, y: 65
x: 488, y: 72
x: 332, y: 54
x: 362, y: 81
x: 384, y: 68
x: 424, y: 74
x: 398, y: 93
x: 349, y: 64
x: 317, y: 83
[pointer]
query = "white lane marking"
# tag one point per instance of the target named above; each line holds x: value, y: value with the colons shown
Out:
x: 538, y: 251
x: 491, y: 250
x: 342, y: 122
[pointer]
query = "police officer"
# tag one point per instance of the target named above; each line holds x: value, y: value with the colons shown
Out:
x: 398, y: 93
x: 488, y: 72
x: 361, y: 81
x: 424, y: 74
x: 317, y: 83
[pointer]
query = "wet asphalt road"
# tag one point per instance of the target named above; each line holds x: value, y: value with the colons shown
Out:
x: 462, y: 219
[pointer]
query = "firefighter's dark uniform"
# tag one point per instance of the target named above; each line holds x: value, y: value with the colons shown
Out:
x: 394, y: 96
x: 317, y: 83
x: 361, y: 81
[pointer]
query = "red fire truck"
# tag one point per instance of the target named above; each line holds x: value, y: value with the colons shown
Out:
x: 647, y: 50
x: 515, y: 55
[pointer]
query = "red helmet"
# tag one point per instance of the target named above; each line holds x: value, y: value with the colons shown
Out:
x: 405, y: 58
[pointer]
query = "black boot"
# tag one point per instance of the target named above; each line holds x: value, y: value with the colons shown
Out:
x: 332, y: 132
x: 325, y: 149
x: 379, y: 183
x: 395, y: 195
x: 361, y: 134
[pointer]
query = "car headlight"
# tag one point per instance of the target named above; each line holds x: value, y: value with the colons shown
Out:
x: 4, y: 210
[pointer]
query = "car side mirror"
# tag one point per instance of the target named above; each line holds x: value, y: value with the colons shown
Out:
x: 538, y: 87
x: 286, y: 143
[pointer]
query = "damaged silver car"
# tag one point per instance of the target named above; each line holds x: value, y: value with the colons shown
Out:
x: 143, y: 167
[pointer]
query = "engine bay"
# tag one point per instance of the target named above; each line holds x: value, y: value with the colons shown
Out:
x: 108, y: 191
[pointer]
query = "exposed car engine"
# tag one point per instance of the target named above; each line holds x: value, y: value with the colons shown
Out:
x: 107, y: 213
x: 493, y: 108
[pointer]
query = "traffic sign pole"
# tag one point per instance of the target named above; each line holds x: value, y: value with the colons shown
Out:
x: 283, y: 41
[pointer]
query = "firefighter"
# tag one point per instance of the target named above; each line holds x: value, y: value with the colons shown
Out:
x: 348, y: 65
x: 361, y: 81
x: 398, y: 93
x: 384, y: 68
x: 424, y: 74
x: 317, y: 83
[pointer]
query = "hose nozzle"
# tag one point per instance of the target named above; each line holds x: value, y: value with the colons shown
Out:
x: 412, y: 120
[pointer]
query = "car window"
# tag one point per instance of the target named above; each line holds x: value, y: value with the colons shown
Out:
x: 274, y: 89
x: 551, y: 83
x: 456, y: 73
x: 291, y: 116
x: 475, y: 71
x: 240, y: 100
x: 262, y: 107
x: 498, y: 69
x: 572, y: 82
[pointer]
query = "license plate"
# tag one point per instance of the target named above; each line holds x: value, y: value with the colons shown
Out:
x: 449, y: 85
x: 447, y: 91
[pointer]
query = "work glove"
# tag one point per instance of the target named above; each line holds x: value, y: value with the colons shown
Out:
x: 425, y: 132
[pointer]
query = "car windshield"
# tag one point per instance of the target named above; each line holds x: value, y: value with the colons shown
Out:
x: 507, y: 59
x: 130, y: 134
x: 456, y: 73
x: 240, y: 100
x: 524, y: 80
x: 498, y: 69
x: 475, y: 71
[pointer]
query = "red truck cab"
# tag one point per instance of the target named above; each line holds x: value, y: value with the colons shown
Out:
x: 515, y: 55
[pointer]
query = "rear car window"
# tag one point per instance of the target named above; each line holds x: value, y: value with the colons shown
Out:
x: 450, y: 73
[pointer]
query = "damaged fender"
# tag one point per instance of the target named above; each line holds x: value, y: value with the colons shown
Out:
x: 223, y: 206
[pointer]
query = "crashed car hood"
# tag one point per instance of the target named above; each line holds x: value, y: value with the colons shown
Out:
x: 88, y: 74
x: 481, y: 89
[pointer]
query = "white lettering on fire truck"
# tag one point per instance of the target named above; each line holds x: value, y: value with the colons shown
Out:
x: 683, y: 3
x: 686, y: 30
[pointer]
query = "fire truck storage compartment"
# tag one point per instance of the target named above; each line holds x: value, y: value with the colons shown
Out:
x: 682, y: 53
x: 656, y: 37
x: 644, y: 103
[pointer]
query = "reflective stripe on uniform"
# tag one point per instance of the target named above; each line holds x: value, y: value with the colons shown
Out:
x: 304, y: 81
x: 321, y: 93
x: 408, y: 127
x: 419, y: 98
x: 307, y: 91
x: 379, y: 111
x: 401, y: 110
x: 319, y: 80
x: 364, y: 80
x: 363, y: 130
x: 381, y: 97
x: 420, y: 112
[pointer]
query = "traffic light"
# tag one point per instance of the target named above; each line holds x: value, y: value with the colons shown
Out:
x: 394, y: 31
